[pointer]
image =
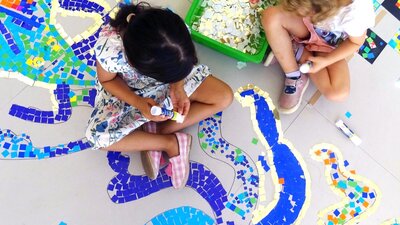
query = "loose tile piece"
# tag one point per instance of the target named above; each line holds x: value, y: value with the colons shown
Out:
x: 235, y: 23
x: 348, y: 114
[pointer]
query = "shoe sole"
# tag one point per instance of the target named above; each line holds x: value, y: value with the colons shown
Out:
x: 147, y: 166
x: 293, y: 109
x: 268, y: 60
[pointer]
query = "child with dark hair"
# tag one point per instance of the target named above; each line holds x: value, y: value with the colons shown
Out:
x: 145, y: 57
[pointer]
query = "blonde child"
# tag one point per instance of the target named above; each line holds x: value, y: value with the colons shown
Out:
x: 145, y: 57
x: 324, y: 32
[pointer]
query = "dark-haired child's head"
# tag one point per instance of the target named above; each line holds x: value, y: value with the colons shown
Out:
x: 157, y: 42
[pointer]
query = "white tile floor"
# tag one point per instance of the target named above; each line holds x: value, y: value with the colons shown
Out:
x: 73, y: 188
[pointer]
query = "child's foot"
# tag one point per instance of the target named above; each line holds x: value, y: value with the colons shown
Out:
x: 180, y: 164
x: 151, y: 160
x: 292, y: 93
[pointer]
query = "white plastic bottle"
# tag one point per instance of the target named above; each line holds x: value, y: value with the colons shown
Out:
x: 306, y: 67
x: 172, y: 115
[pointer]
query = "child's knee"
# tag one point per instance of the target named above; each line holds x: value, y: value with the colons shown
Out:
x: 223, y: 98
x: 270, y: 16
x: 222, y: 95
x: 337, y: 95
x: 226, y: 97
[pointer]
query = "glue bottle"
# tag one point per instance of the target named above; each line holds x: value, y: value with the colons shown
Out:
x: 306, y: 67
x: 349, y: 133
x: 172, y: 115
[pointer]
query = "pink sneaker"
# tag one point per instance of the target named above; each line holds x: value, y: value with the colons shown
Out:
x: 298, y: 49
x: 180, y: 164
x: 292, y: 93
x: 151, y: 160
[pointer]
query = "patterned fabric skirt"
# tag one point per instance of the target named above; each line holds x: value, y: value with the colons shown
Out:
x: 113, y: 119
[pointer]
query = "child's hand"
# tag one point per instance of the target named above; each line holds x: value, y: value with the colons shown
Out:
x: 145, y: 106
x: 318, y: 63
x: 180, y: 100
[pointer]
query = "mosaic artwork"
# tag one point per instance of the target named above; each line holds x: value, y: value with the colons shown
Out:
x: 244, y: 202
x: 40, y: 53
x: 393, y: 6
x: 182, y: 215
x: 372, y: 47
x: 246, y: 183
x: 21, y: 147
x: 288, y: 170
x: 126, y: 187
x: 395, y: 42
x: 360, y: 196
x: 37, y: 51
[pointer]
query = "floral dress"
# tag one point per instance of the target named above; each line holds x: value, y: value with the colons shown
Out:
x: 113, y: 119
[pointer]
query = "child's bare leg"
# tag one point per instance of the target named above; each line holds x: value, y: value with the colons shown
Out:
x: 279, y: 25
x: 210, y: 97
x: 140, y: 140
x: 334, y: 81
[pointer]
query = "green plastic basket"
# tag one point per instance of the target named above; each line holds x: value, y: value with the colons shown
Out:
x: 195, y: 11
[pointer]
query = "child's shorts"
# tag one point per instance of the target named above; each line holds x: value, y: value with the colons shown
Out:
x: 320, y: 41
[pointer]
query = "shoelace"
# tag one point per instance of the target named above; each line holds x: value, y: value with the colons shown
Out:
x: 291, y: 84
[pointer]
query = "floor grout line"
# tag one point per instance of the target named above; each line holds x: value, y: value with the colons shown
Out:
x: 295, y: 119
x: 15, y: 96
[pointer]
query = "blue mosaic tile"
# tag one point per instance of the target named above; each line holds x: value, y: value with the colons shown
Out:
x: 82, y: 5
x: 246, y: 178
x: 182, y: 215
x: 48, y: 117
x: 286, y: 164
x: 125, y: 187
x: 14, y: 146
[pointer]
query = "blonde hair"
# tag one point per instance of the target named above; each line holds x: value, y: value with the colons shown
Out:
x: 317, y: 10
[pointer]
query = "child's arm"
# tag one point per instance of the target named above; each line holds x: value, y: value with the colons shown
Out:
x: 345, y: 49
x: 116, y: 86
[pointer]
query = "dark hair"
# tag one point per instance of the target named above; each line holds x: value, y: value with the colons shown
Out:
x: 157, y: 42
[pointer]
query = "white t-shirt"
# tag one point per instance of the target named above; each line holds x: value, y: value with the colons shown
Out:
x: 352, y: 20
